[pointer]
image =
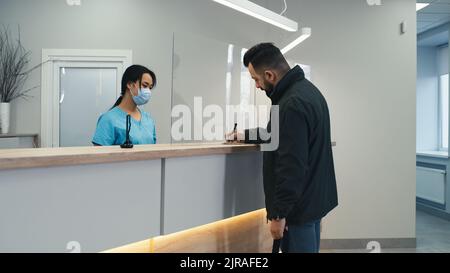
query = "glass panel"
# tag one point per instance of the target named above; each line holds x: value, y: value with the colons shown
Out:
x: 212, y: 72
x: 85, y: 94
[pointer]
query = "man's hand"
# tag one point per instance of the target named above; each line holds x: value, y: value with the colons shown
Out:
x: 277, y: 228
x: 235, y: 137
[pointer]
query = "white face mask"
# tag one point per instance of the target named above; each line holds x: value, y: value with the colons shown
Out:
x: 143, y: 97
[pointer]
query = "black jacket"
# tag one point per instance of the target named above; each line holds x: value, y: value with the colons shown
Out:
x: 299, y: 178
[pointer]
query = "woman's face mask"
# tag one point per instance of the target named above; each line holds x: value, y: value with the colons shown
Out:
x: 143, y: 97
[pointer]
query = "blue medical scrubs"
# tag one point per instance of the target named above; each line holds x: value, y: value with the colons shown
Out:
x: 111, y: 129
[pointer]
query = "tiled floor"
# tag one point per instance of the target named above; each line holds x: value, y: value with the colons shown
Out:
x: 433, y: 236
x: 433, y: 233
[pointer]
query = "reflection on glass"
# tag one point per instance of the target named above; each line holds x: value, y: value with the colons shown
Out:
x: 212, y: 71
x: 246, y: 90
x: 229, y: 72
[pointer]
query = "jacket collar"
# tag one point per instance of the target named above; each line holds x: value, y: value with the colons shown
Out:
x: 294, y: 75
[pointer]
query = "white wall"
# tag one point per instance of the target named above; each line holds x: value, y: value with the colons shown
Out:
x: 362, y: 64
x: 427, y: 99
x: 367, y: 71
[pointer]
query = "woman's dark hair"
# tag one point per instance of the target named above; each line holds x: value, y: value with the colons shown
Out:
x: 132, y: 74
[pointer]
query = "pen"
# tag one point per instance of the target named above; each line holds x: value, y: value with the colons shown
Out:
x: 234, y: 131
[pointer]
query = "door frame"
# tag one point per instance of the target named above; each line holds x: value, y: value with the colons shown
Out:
x: 52, y: 60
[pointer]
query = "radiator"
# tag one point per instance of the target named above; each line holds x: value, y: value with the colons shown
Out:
x: 431, y: 184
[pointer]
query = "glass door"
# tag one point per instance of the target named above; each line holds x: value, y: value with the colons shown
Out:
x: 86, y: 90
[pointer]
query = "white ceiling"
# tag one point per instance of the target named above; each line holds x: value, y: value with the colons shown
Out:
x: 437, y: 13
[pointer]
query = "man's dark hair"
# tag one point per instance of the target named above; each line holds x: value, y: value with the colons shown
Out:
x: 265, y: 56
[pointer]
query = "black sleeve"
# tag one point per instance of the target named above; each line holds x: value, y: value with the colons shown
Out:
x: 253, y: 136
x: 292, y: 164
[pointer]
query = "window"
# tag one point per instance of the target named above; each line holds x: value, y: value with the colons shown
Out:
x: 443, y: 112
x: 443, y: 97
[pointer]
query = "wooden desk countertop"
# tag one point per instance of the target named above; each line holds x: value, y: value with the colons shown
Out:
x: 51, y: 157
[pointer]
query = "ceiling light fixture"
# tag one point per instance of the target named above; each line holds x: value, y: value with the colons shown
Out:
x: 260, y: 13
x: 306, y: 33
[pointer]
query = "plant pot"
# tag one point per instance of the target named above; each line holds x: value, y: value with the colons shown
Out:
x: 4, y: 117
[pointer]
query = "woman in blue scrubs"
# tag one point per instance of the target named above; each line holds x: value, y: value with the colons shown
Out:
x: 137, y: 83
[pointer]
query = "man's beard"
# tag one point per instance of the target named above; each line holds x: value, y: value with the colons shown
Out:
x: 268, y: 88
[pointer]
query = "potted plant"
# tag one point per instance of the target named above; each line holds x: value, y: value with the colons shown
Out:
x: 14, y: 62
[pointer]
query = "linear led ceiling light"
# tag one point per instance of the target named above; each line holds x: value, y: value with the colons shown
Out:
x: 420, y: 6
x: 306, y: 33
x: 260, y: 13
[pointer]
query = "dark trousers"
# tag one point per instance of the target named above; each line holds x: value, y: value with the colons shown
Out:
x: 302, y: 238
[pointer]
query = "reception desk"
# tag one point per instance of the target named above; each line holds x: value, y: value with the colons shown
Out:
x: 95, y: 198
